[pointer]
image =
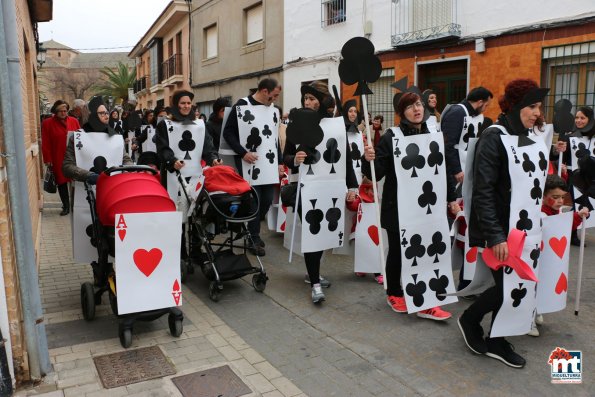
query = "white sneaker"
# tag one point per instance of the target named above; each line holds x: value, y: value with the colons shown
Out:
x: 539, y: 319
x: 534, y: 331
x: 317, y: 294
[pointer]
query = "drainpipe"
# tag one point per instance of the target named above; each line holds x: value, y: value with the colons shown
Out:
x: 11, y: 103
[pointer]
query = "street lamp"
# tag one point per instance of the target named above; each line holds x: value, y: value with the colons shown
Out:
x: 41, y: 54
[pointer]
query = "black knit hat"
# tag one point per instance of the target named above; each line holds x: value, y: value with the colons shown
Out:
x: 316, y: 88
x: 175, y: 111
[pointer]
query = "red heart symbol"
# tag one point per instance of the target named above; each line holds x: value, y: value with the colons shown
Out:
x: 541, y: 248
x: 147, y: 261
x: 559, y: 245
x: 373, y: 233
x: 122, y: 234
x: 562, y: 284
x: 471, y: 255
x: 198, y: 186
x: 282, y: 227
x: 176, y: 292
x: 284, y: 208
x: 360, y: 213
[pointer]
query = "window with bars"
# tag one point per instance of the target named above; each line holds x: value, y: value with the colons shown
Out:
x: 381, y: 101
x: 569, y: 72
x: 333, y: 12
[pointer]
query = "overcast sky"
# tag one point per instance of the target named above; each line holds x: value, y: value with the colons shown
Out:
x: 92, y: 24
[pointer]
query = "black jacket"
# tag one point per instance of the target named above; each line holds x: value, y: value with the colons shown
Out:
x: 213, y: 126
x: 490, y: 209
x: 385, y: 167
x: 451, y: 125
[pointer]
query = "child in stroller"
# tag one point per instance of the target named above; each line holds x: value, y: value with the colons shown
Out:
x: 135, y: 190
x: 224, y: 205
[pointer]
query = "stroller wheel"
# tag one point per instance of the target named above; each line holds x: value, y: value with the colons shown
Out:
x: 125, y: 335
x: 259, y: 282
x: 88, y: 301
x: 214, y: 291
x: 175, y: 326
x: 113, y: 302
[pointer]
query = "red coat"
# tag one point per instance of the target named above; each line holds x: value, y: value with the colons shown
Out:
x: 54, y: 133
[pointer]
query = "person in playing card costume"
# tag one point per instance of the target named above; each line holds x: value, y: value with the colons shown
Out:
x: 181, y: 144
x: 315, y: 98
x: 580, y: 142
x: 455, y: 124
x: 412, y: 122
x: 499, y: 175
x: 554, y: 192
x: 98, y: 122
x: 267, y: 93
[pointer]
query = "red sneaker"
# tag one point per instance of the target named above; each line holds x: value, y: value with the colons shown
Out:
x: 379, y: 279
x: 360, y: 274
x: 397, y: 303
x: 435, y: 313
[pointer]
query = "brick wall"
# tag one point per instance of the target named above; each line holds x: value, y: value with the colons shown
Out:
x: 30, y: 131
x: 506, y: 58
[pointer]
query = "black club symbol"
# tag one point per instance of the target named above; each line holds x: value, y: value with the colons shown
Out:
x: 413, y: 159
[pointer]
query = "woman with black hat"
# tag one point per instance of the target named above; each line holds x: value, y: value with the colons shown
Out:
x: 98, y: 122
x: 315, y: 96
x: 499, y: 203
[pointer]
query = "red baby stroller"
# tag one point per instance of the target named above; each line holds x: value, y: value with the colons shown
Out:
x: 223, y: 207
x: 135, y: 189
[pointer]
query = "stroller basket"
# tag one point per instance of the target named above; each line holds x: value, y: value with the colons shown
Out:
x: 230, y: 266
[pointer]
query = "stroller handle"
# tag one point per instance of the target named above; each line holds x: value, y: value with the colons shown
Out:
x: 131, y: 168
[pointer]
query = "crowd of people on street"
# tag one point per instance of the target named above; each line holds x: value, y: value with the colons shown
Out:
x: 469, y: 162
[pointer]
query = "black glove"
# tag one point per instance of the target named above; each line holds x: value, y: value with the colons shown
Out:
x: 92, y: 178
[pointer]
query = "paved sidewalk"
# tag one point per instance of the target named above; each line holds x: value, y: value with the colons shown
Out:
x: 206, y: 342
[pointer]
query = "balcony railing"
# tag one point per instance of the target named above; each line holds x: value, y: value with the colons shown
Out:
x: 140, y: 84
x: 415, y: 21
x: 172, y: 66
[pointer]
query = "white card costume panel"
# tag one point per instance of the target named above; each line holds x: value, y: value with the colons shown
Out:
x: 432, y: 121
x: 367, y: 234
x: 148, y: 261
x: 332, y: 159
x: 130, y: 135
x: 186, y: 141
x: 323, y: 215
x: 149, y: 144
x: 356, y: 144
x: 421, y: 196
x: 287, y: 237
x: 226, y: 153
x: 582, y: 144
x: 258, y: 128
x: 527, y: 178
x: 348, y: 247
x: 82, y: 230
x: 552, y: 288
x: 91, y: 147
x: 470, y: 253
x: 471, y: 125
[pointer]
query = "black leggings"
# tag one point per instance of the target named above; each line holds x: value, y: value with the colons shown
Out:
x: 489, y: 301
x: 393, y: 265
x: 312, y: 260
x: 64, y: 195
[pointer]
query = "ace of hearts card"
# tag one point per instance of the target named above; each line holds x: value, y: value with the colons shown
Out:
x: 148, y: 261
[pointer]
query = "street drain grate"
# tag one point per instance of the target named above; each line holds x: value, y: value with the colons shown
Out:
x: 132, y: 366
x: 214, y: 382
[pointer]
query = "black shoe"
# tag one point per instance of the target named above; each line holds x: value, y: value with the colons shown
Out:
x: 473, y: 335
x: 256, y: 249
x: 501, y: 349
x: 65, y: 211
x: 574, y: 240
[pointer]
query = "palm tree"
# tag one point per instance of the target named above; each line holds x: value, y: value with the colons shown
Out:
x: 117, y: 81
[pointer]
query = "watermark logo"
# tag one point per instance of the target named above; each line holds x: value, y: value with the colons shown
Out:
x: 567, y: 365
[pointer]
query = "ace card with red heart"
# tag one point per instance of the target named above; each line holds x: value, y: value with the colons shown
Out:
x: 552, y: 288
x: 147, y: 261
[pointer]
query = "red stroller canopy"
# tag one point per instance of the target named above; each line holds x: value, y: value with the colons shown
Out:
x: 224, y: 178
x: 129, y: 193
